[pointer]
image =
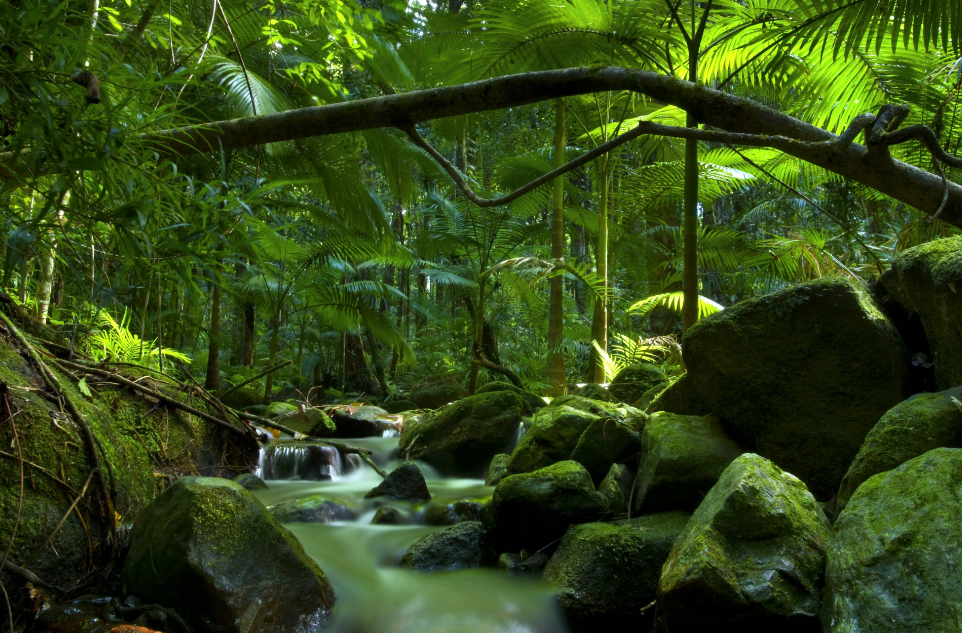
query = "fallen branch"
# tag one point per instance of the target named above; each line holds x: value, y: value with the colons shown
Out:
x: 260, y: 375
x: 271, y: 424
x: 89, y: 440
x: 32, y: 577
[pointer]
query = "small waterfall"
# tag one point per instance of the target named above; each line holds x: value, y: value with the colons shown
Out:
x: 304, y: 461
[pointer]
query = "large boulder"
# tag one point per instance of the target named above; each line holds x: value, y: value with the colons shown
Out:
x: 404, y: 483
x: 532, y: 401
x: 802, y: 375
x: 677, y: 396
x: 211, y: 550
x: 531, y: 510
x: 907, y: 430
x: 751, y: 557
x: 632, y: 382
x: 462, y: 438
x: 362, y: 421
x: 893, y: 560
x: 309, y: 421
x: 927, y: 280
x: 605, y: 442
x: 436, y: 395
x: 606, y: 573
x: 459, y: 546
x: 681, y: 458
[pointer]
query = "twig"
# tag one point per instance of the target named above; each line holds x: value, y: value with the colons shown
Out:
x: 258, y: 376
x: 158, y: 396
x: 88, y: 437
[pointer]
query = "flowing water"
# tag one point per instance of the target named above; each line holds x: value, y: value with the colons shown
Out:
x: 360, y: 559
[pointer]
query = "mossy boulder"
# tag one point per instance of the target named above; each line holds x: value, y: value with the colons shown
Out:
x: 530, y: 510
x: 893, y: 560
x: 676, y: 396
x: 616, y: 487
x: 909, y: 429
x: 801, y: 374
x: 605, y: 442
x: 594, y: 391
x: 550, y: 439
x: 404, y: 483
x: 311, y: 421
x: 211, y: 550
x: 751, y: 557
x: 400, y: 406
x: 681, y: 458
x: 632, y: 382
x: 615, y: 411
x: 457, y: 511
x: 278, y: 409
x: 436, y: 395
x: 497, y: 469
x: 927, y: 280
x: 607, y: 572
x: 460, y: 546
x: 363, y: 421
x: 532, y: 401
x: 461, y: 439
x: 314, y: 509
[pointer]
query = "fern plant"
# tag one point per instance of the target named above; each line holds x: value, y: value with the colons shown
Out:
x: 114, y: 342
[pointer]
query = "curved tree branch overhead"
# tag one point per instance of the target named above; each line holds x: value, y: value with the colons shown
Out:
x: 870, y: 165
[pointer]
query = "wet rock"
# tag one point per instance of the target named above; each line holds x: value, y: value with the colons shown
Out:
x: 310, y: 421
x: 313, y: 509
x: 404, y: 483
x: 926, y: 280
x: 462, y: 438
x: 459, y: 546
x: 301, y: 460
x: 436, y: 513
x: 400, y: 406
x: 632, y: 382
x: 893, y: 558
x: 530, y: 510
x: 386, y: 515
x: 681, y: 458
x: 220, y: 553
x: 250, y: 481
x: 363, y: 421
x: 438, y: 394
x: 909, y: 429
x: 550, y: 439
x: 801, y: 374
x: 527, y: 564
x: 751, y: 557
x: 606, y: 442
x: 594, y: 391
x: 497, y: 469
x: 606, y: 573
x: 616, y: 487
x: 678, y: 396
x: 532, y: 401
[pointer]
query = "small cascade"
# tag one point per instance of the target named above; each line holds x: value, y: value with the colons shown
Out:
x: 304, y: 461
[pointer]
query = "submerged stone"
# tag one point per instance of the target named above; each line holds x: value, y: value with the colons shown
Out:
x: 893, y: 560
x: 909, y: 429
x: 459, y: 546
x: 632, y: 382
x: 211, y: 550
x: 313, y: 509
x: 462, y: 438
x: 404, y: 483
x: 751, y: 558
x: 801, y: 375
x: 606, y: 573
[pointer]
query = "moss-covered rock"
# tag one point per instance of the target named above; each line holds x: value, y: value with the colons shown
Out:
x: 462, y: 438
x: 681, y: 458
x: 616, y: 487
x: 927, y: 280
x: 632, y: 382
x: 314, y: 509
x: 893, y: 560
x: 532, y: 401
x: 751, y: 557
x: 458, y: 511
x: 530, y: 510
x: 437, y: 394
x: 210, y: 549
x: 606, y: 442
x: 802, y: 375
x: 400, y: 406
x: 364, y: 421
x: 676, y: 396
x: 313, y: 422
x: 594, y: 391
x: 460, y: 546
x: 497, y: 469
x: 607, y: 572
x: 615, y: 411
x: 550, y: 439
x: 907, y: 430
x: 278, y: 409
x: 250, y: 481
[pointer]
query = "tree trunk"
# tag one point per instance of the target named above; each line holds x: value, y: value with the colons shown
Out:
x: 556, y: 360
x: 376, y: 361
x: 599, y: 320
x: 212, y: 380
x: 478, y: 336
x: 272, y: 354
x: 689, y: 311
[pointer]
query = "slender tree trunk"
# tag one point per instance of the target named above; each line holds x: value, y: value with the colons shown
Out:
x: 343, y: 377
x: 478, y: 336
x: 556, y: 359
x: 160, y: 324
x: 272, y: 354
x: 300, y: 353
x: 212, y: 381
x: 376, y: 361
x: 599, y: 321
x: 689, y: 311
x: 45, y: 290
